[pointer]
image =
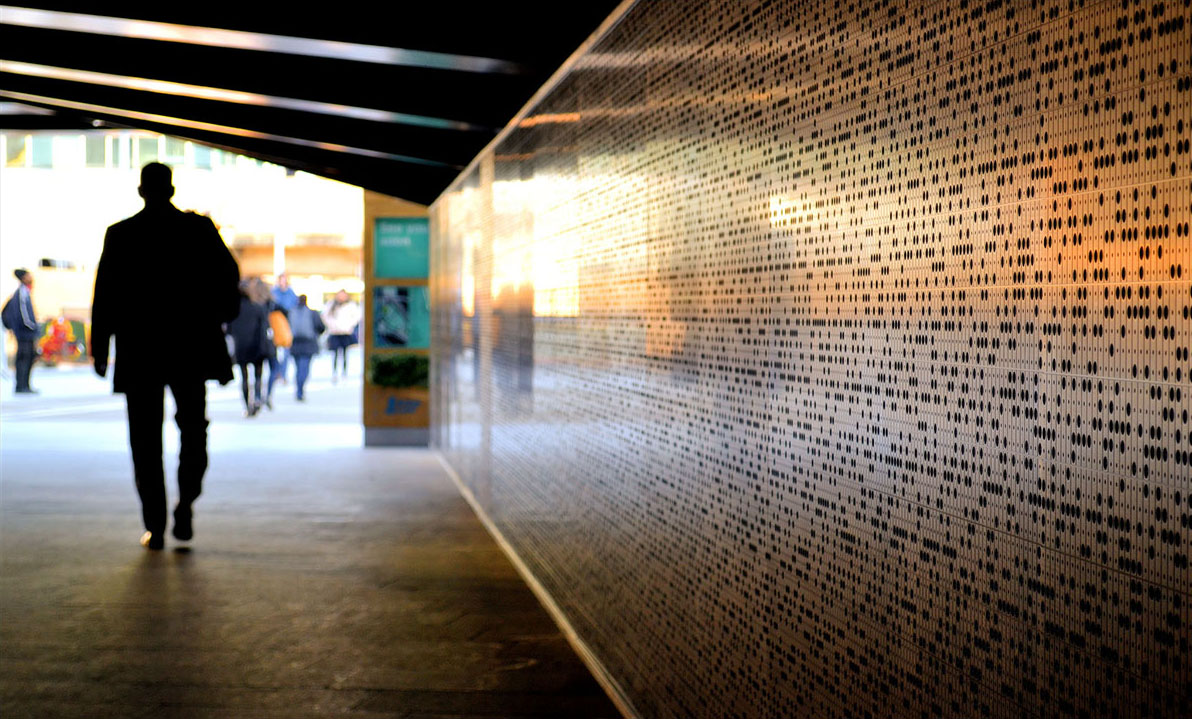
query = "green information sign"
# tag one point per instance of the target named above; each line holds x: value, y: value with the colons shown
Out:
x: 402, y: 247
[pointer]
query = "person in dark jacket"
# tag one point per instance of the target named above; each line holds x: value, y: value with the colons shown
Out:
x: 164, y: 252
x: 24, y: 328
x: 306, y: 325
x: 251, y: 342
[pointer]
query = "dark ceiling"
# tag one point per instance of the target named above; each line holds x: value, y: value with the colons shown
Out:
x: 445, y: 77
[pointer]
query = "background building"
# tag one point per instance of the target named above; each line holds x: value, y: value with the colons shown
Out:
x: 62, y: 189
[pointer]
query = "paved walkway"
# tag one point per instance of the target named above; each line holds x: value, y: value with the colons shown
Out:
x: 324, y: 580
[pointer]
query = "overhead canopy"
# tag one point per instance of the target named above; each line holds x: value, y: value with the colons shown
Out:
x: 395, y: 97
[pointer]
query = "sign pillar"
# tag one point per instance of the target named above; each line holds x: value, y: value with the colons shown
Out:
x: 395, y: 329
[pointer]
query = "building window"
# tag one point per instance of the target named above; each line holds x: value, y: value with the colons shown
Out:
x: 42, y: 151
x: 202, y: 156
x: 146, y: 150
x: 175, y: 152
x: 97, y: 150
x: 14, y: 154
x: 117, y: 151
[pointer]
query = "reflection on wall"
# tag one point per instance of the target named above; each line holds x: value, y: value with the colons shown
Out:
x: 828, y: 359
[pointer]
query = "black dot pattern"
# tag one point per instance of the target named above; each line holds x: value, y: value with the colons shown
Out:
x: 831, y: 359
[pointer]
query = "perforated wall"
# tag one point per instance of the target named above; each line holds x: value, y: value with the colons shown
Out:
x: 831, y: 359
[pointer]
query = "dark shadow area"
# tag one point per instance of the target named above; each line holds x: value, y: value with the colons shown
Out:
x: 322, y: 580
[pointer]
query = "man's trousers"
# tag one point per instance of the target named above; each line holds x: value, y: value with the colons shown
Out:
x: 146, y: 414
x: 23, y: 364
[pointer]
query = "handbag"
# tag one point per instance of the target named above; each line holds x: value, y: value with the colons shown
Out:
x: 282, y: 336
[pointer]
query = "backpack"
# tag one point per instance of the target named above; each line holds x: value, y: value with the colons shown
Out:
x: 302, y: 324
x: 11, y: 314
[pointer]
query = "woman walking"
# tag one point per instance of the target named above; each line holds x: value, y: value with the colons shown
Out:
x: 341, y: 315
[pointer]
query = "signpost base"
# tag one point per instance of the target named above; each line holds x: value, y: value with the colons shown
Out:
x: 396, y: 437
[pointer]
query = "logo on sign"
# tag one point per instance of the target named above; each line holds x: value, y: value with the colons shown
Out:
x: 402, y: 406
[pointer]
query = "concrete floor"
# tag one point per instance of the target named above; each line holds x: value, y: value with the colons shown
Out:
x: 324, y: 580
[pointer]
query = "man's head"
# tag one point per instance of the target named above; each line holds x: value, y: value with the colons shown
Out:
x: 341, y: 296
x: 283, y: 281
x: 157, y: 183
x: 302, y: 300
x: 25, y: 276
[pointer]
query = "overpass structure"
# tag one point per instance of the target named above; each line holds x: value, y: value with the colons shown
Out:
x: 809, y: 358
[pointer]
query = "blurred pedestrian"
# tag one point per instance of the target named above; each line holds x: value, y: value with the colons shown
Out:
x: 164, y: 252
x: 279, y: 336
x: 341, y: 316
x: 19, y: 317
x: 286, y: 300
x: 250, y: 342
x: 306, y: 326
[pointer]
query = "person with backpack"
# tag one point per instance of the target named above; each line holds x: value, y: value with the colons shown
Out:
x: 18, y: 316
x: 305, y: 325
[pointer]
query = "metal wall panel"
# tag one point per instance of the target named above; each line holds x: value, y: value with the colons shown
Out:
x: 828, y: 359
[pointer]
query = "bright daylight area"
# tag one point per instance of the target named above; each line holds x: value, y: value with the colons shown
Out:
x: 63, y: 189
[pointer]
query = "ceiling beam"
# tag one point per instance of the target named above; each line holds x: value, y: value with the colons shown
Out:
x: 201, y: 92
x: 240, y: 40
x: 220, y: 129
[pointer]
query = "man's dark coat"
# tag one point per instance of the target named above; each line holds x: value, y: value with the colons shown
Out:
x: 165, y: 284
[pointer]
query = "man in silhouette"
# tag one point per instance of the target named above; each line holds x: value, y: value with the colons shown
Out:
x: 165, y: 285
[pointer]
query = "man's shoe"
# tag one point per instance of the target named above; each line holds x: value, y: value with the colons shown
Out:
x: 26, y: 390
x: 183, y: 529
x: 152, y: 540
